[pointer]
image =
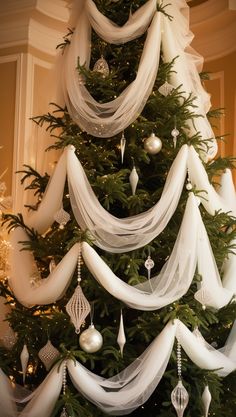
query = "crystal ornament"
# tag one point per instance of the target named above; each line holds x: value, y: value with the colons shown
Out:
x: 179, y: 398
x: 91, y: 340
x: 24, y: 358
x: 122, y: 147
x: 149, y: 264
x: 206, y: 399
x: 78, y: 306
x: 48, y: 354
x: 179, y: 395
x: 121, y: 339
x: 133, y: 179
x: 152, y: 144
x: 175, y: 134
x: 102, y: 67
x: 64, y: 413
x: 165, y: 89
x: 62, y: 217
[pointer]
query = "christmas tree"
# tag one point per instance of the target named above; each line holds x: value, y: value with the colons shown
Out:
x: 120, y: 295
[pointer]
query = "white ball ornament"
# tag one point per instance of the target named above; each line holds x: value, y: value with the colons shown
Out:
x: 152, y: 144
x: 91, y: 340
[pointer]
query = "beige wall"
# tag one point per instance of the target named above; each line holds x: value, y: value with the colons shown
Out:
x: 7, y: 114
x: 222, y: 88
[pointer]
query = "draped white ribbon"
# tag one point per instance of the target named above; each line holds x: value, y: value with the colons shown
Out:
x: 120, y: 235
x: 130, y: 388
x: 7, y: 405
x: 25, y: 280
x: 108, y: 119
x: 192, y: 249
x: 109, y: 31
x: 176, y: 39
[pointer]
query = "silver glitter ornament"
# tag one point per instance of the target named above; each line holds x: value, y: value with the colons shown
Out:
x: 152, y: 144
x: 48, y: 354
x: 61, y: 217
x: 91, y: 340
x: 102, y: 67
x: 165, y: 89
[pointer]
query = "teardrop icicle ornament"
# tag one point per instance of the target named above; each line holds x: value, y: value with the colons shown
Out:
x: 133, y: 179
x: 122, y: 147
x: 206, y: 399
x: 121, y: 339
x: 24, y: 358
x: 61, y: 217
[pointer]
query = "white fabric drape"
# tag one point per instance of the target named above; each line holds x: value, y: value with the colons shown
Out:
x: 25, y: 280
x: 108, y: 119
x: 110, y: 32
x: 121, y: 235
x: 45, y: 396
x: 130, y: 388
x: 213, y: 201
x: 192, y: 249
x: 176, y: 39
x: 42, y: 219
x: 7, y: 405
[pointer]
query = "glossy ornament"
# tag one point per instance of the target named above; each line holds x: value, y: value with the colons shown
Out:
x: 152, y: 144
x: 91, y: 340
x: 206, y: 399
x: 179, y: 398
x: 133, y: 179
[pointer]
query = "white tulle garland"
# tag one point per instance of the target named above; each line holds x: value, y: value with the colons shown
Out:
x: 130, y: 388
x: 108, y: 119
x: 176, y: 39
x: 120, y: 235
x: 25, y: 280
x: 192, y: 249
x: 7, y: 405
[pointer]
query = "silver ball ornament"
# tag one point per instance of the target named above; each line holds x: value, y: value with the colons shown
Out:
x: 91, y: 340
x: 152, y: 144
